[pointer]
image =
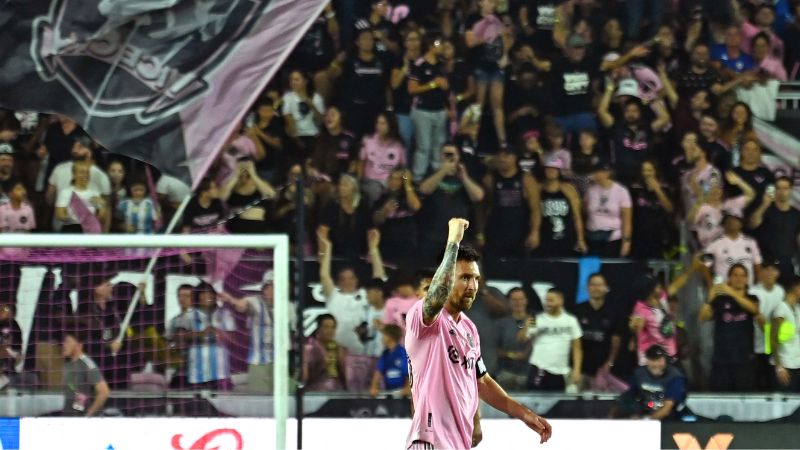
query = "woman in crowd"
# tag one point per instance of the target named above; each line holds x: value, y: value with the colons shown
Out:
x: 267, y: 132
x: 302, y: 110
x: 335, y: 153
x: 345, y: 221
x: 395, y: 216
x: 652, y: 212
x: 381, y: 153
x: 561, y: 232
x: 324, y: 359
x: 770, y: 65
x: 412, y: 51
x: 76, y: 215
x: 609, y: 218
x: 246, y: 194
x: 738, y: 128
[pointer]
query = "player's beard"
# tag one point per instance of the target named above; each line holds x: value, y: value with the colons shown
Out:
x: 465, y: 302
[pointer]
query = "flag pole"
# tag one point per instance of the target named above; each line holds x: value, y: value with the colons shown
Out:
x: 149, y: 269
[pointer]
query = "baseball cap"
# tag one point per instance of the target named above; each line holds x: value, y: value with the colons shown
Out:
x: 6, y: 148
x: 554, y: 163
x: 531, y: 134
x: 576, y: 41
x: 601, y: 164
x: 732, y: 212
x: 268, y: 278
x: 655, y: 352
x: 628, y: 86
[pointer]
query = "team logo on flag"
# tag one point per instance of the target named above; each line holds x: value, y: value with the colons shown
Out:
x: 146, y: 59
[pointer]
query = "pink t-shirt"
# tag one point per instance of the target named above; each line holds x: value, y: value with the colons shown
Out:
x: 749, y: 31
x: 395, y: 310
x: 656, y: 330
x: 604, y: 208
x: 708, y: 222
x: 708, y: 175
x: 380, y: 158
x: 444, y: 361
x: 727, y: 252
x: 15, y: 220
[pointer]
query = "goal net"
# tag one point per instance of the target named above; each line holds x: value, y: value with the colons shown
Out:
x: 178, y: 325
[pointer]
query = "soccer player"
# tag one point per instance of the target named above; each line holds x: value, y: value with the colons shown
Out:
x: 447, y: 373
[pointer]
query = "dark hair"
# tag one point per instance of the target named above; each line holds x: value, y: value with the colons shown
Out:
x: 375, y: 283
x: 515, y: 289
x: 323, y: 317
x: 644, y: 287
x: 556, y: 291
x: 185, y: 286
x: 793, y: 282
x: 737, y: 266
x: 468, y: 253
x: 137, y: 182
x: 202, y: 287
x: 655, y: 165
x: 204, y: 185
x: 596, y: 275
x: 760, y: 35
x: 422, y: 275
x: 780, y: 178
x: 393, y: 331
x: 394, y: 132
x: 78, y: 329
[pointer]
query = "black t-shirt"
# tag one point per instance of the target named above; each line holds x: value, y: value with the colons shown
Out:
x: 689, y: 82
x: 630, y: 148
x: 399, y: 230
x: 364, y: 82
x: 598, y: 326
x: 348, y: 232
x: 274, y: 158
x: 777, y: 235
x: 572, y: 85
x: 758, y: 179
x: 386, y: 27
x: 733, y: 330
x: 424, y: 72
x: 653, y: 228
x: 542, y: 17
x: 459, y: 77
x: 197, y: 217
x: 449, y: 200
x: 402, y: 99
x: 333, y: 154
x: 487, y: 55
x: 316, y: 48
x: 718, y: 156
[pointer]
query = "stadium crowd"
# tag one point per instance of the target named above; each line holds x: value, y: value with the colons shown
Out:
x: 560, y: 128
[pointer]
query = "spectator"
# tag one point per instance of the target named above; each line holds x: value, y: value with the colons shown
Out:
x: 530, y: 159
x: 777, y: 226
x: 770, y: 295
x: 335, y: 153
x: 428, y: 85
x: 247, y: 196
x: 632, y: 139
x: 658, y: 390
x: 380, y: 153
x: 7, y: 169
x: 786, y: 352
x: 699, y: 75
x: 260, y: 324
x: 56, y: 147
x: 513, y: 354
x: 65, y: 212
x: 171, y: 193
x: 652, y: 320
x: 17, y: 215
x: 324, y: 359
x: 585, y: 157
x: 138, y: 214
x: 364, y: 85
x: 738, y: 129
x: 395, y: 216
x: 576, y: 75
x: 602, y: 329
x: 763, y: 21
x: 701, y: 176
x: 709, y: 139
x: 383, y: 30
x: 609, y: 216
x: 768, y: 65
x: 556, y: 150
x: 489, y: 306
x: 635, y: 9
x: 706, y: 214
x: 205, y: 209
x: 461, y: 79
x: 10, y: 347
x: 267, y: 132
x: 178, y: 332
x: 85, y: 390
x: 527, y: 101
x: 376, y: 298
x: 562, y: 232
x: 116, y: 173
x: 448, y: 192
x: 210, y: 331
x: 285, y: 217
x: 729, y: 57
x: 103, y: 320
x: 556, y: 334
x: 512, y: 209
x: 733, y: 248
x: 490, y: 41
x: 302, y: 111
x: 316, y: 49
x: 346, y: 221
x: 733, y: 311
x: 402, y: 99
x: 753, y: 172
x: 345, y: 300
x: 652, y: 213
x: 392, y: 371
x: 397, y: 306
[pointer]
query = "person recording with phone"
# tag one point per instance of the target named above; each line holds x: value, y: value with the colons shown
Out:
x: 776, y: 226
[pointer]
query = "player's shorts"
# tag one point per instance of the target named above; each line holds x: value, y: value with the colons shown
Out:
x: 421, y: 445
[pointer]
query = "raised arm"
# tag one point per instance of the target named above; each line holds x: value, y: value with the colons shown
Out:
x: 375, y: 258
x: 443, y: 279
x: 325, y: 249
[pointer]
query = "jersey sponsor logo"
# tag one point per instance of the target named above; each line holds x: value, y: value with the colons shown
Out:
x: 455, y: 357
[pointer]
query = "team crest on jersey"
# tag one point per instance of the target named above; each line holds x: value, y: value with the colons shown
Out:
x: 146, y: 59
x: 469, y: 339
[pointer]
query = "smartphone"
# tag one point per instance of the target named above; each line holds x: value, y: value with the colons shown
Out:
x: 771, y: 191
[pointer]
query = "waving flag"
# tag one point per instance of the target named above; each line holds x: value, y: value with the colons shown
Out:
x: 163, y: 81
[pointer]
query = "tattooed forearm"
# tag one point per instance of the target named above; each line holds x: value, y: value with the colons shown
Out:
x: 441, y: 284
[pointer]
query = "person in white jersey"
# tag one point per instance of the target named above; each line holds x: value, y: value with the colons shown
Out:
x: 786, y: 349
x: 770, y: 295
x: 447, y: 374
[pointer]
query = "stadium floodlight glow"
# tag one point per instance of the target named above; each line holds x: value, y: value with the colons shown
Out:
x: 279, y: 243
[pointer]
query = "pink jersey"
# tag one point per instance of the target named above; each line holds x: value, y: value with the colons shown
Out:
x: 16, y: 220
x: 604, y: 208
x: 708, y: 221
x: 727, y: 252
x: 395, y: 310
x: 659, y: 328
x: 380, y: 158
x: 444, y: 361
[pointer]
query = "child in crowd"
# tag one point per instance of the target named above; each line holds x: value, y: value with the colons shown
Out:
x: 17, y: 215
x: 138, y: 213
x: 392, y: 370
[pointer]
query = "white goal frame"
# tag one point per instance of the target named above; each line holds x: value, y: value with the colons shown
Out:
x: 278, y: 242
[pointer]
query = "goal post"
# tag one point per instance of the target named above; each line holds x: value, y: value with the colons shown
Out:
x: 279, y: 243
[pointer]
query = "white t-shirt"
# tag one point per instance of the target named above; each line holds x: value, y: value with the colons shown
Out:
x: 768, y: 302
x: 374, y: 346
x: 65, y: 198
x: 61, y: 178
x: 727, y: 252
x: 350, y: 310
x: 174, y: 189
x: 304, y: 124
x: 789, y: 351
x: 553, y: 336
